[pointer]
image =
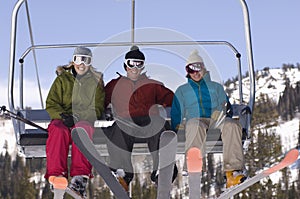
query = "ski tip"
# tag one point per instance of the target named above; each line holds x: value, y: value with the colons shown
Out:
x: 172, y: 133
x: 194, y: 160
x: 58, y: 182
x: 292, y: 155
x: 289, y: 159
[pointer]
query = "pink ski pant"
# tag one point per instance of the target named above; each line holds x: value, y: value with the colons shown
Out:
x: 57, y: 150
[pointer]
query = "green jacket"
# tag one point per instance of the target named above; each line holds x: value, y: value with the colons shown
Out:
x: 83, y: 97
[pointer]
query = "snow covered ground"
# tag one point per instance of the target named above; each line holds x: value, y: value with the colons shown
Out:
x: 7, y: 136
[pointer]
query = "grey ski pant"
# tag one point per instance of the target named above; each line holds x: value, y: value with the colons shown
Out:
x: 233, y: 157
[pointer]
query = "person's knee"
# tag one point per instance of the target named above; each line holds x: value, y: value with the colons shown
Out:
x: 194, y: 123
x: 232, y: 125
x: 57, y: 127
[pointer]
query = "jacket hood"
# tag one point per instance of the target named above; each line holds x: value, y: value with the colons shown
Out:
x: 70, y: 69
x: 63, y: 68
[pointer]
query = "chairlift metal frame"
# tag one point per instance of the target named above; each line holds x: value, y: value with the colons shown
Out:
x: 34, y: 146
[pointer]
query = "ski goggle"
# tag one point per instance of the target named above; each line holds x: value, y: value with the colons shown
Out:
x: 131, y: 63
x: 194, y: 67
x: 82, y: 59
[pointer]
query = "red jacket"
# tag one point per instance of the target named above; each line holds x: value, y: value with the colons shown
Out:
x: 135, y: 98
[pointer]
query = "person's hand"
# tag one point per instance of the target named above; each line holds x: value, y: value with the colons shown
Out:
x: 109, y: 115
x: 215, y: 115
x: 68, y: 119
x: 179, y: 127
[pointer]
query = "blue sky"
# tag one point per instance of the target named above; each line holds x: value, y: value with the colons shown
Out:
x: 274, y: 24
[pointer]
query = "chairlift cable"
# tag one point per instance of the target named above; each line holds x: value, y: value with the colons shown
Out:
x: 132, y: 21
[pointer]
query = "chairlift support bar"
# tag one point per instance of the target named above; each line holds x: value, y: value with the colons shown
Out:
x: 169, y: 43
x: 249, y: 53
x: 160, y: 43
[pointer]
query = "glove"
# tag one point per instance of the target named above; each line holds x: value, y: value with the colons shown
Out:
x: 68, y: 119
x: 109, y: 115
x: 215, y: 115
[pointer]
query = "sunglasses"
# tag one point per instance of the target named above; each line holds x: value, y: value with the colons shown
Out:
x: 131, y: 63
x: 82, y: 59
x: 194, y: 67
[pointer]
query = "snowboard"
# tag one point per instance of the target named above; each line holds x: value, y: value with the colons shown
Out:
x: 86, y: 146
x: 167, y: 157
x: 194, y: 167
x: 289, y: 159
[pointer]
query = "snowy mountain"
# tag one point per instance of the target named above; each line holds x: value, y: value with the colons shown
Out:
x: 272, y: 82
x: 269, y: 81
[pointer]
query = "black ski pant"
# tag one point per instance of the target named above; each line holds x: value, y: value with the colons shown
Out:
x: 124, y: 133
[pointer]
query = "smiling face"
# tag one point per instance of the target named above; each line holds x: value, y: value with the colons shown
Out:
x: 133, y: 73
x: 197, y: 76
x: 81, y: 69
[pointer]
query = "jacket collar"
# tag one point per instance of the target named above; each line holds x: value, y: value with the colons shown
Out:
x: 206, y: 78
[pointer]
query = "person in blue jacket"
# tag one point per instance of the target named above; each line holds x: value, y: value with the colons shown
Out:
x: 202, y: 104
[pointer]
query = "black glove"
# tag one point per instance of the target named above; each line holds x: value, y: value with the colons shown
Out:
x: 109, y: 115
x: 68, y: 119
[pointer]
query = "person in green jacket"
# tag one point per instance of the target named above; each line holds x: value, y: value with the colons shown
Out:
x: 75, y: 99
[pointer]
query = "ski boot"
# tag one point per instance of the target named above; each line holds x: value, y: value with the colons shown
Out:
x: 78, y: 185
x: 155, y: 173
x: 234, y: 178
x: 120, y: 174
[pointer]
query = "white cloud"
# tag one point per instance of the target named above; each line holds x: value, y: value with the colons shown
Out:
x: 31, y: 94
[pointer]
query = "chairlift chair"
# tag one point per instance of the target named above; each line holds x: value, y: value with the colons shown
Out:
x: 31, y: 141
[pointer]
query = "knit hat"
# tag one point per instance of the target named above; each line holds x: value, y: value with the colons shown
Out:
x: 134, y: 53
x: 82, y: 51
x: 194, y: 57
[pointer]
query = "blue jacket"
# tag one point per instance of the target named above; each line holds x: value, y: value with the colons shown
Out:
x: 197, y: 99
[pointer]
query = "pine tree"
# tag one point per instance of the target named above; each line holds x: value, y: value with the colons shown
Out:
x: 265, y: 148
x: 220, y: 181
x: 136, y: 188
x: 26, y: 189
x: 46, y: 193
x: 6, y: 176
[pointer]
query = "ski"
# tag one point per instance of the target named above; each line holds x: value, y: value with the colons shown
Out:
x: 60, y: 187
x: 86, y: 146
x: 289, y: 159
x: 74, y: 194
x: 194, y: 167
x: 167, y: 157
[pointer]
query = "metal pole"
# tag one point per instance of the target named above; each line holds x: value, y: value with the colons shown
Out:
x: 12, y: 54
x: 154, y: 43
x: 34, y: 55
x: 249, y: 53
x: 132, y: 22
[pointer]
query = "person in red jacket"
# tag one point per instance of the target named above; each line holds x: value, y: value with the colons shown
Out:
x: 135, y: 101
